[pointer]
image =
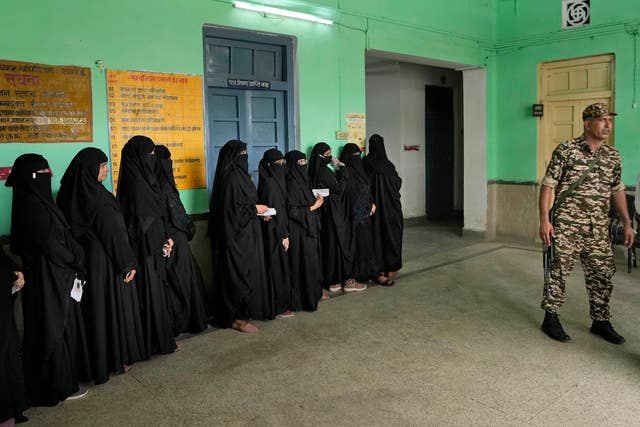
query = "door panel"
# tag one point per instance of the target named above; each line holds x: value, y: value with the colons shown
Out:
x: 564, y: 122
x: 238, y: 59
x: 255, y: 117
x: 566, y: 89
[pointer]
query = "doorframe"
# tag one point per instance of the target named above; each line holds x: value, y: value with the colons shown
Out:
x: 290, y: 85
x: 543, y: 98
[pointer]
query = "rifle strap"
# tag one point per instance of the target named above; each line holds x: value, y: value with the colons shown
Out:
x: 566, y: 193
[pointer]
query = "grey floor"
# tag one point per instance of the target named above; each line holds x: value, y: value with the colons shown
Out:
x: 455, y: 342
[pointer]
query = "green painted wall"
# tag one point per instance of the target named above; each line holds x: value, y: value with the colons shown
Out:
x: 166, y: 36
x: 530, y: 33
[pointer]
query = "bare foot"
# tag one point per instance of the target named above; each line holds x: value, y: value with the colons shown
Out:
x: 243, y: 326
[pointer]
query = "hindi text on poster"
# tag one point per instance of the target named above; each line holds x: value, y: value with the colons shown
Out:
x: 45, y: 103
x: 165, y: 107
x: 356, y: 129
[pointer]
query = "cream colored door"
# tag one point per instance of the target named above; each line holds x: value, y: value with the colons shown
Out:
x: 566, y: 88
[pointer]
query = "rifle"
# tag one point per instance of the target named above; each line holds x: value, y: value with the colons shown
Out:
x: 547, y: 256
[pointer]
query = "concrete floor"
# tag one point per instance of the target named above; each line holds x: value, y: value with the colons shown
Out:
x: 456, y: 342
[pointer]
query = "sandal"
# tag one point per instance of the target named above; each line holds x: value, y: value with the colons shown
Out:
x: 385, y: 281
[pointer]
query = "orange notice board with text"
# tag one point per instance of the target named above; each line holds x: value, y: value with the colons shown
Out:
x: 165, y: 107
x: 45, y: 103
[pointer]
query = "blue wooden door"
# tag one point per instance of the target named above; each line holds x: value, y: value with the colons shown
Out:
x: 255, y: 117
x: 259, y: 117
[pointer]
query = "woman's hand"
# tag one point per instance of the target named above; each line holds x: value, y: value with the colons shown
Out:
x: 130, y: 275
x: 167, y: 247
x: 262, y: 208
x: 373, y: 209
x: 317, y: 204
x: 285, y: 243
x: 19, y: 282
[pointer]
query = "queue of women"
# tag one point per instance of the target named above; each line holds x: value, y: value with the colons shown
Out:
x: 110, y: 281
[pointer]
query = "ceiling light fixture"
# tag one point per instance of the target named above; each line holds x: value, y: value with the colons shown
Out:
x: 281, y: 12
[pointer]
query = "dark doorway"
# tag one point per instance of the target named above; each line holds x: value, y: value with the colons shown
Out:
x: 439, y: 128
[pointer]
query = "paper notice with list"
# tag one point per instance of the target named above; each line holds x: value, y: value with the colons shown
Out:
x: 165, y: 107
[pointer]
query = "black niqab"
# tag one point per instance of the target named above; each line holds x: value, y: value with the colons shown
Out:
x: 141, y: 195
x: 318, y: 171
x: 350, y: 156
x: 81, y: 193
x: 298, y: 175
x: 268, y: 168
x: 335, y: 213
x: 387, y: 223
x: 272, y: 192
x: 27, y: 183
x: 376, y: 161
x: 238, y: 258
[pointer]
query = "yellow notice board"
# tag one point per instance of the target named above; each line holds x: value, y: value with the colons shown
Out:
x: 45, y: 103
x: 165, y: 107
x: 356, y: 129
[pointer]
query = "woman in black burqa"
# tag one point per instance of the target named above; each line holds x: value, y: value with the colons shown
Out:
x: 240, y: 290
x: 388, y: 222
x: 55, y: 354
x: 187, y: 299
x: 272, y: 191
x: 110, y: 304
x: 336, y: 238
x: 13, y: 395
x: 142, y: 205
x: 304, y: 234
x: 362, y: 208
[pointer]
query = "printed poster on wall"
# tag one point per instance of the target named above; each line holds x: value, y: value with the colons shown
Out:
x: 356, y: 129
x: 45, y: 103
x: 165, y: 107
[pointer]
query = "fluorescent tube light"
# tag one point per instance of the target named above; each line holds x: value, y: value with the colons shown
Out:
x: 281, y: 12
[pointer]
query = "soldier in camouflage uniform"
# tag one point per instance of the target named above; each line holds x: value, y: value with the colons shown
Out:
x: 580, y: 222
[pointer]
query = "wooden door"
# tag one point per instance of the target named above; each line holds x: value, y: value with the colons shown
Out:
x: 566, y: 88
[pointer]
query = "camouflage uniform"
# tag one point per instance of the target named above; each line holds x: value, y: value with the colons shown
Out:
x: 581, y: 223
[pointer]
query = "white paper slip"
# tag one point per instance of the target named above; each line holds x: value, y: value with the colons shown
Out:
x: 324, y: 192
x: 76, y: 291
x: 268, y: 212
x: 15, y: 289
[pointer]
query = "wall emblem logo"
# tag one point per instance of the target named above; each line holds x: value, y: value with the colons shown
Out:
x: 576, y: 13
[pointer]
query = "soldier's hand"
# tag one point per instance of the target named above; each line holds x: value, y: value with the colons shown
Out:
x: 629, y: 236
x: 547, y: 232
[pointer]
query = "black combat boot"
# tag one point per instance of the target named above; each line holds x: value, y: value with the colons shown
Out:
x: 552, y: 327
x: 606, y: 331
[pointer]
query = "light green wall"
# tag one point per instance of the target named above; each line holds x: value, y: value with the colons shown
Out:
x: 166, y: 36
x: 530, y: 33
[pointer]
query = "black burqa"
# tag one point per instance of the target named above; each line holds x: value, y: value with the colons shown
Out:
x: 387, y: 223
x: 186, y: 300
x: 143, y: 204
x: 304, y: 238
x: 110, y: 306
x: 272, y: 191
x: 360, y: 201
x: 55, y: 353
x: 13, y: 395
x: 336, y: 238
x: 239, y: 280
